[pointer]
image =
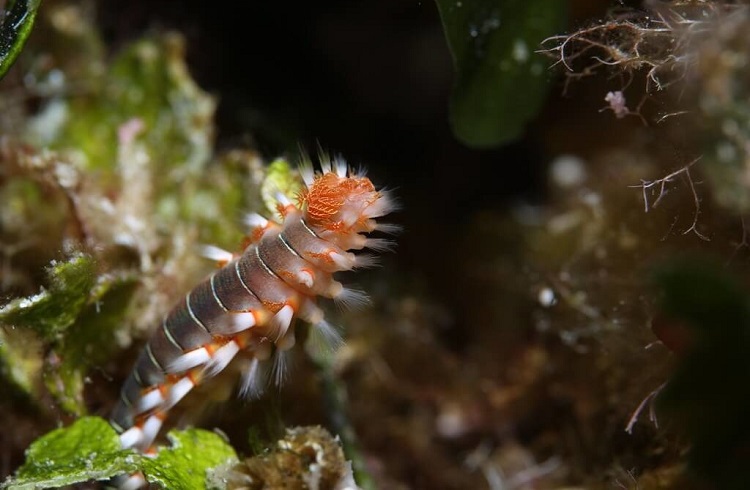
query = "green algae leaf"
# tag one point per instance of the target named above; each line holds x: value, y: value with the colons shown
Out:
x: 77, y: 317
x: 15, y: 27
x: 52, y: 311
x: 89, y: 449
x: 708, y: 397
x: 91, y: 335
x: 501, y: 82
x: 89, y: 340
x: 43, y: 317
x: 185, y: 464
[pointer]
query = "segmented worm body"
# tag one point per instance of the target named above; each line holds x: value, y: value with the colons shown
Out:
x: 250, y: 303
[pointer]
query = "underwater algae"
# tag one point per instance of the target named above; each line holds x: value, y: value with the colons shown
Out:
x: 573, y: 318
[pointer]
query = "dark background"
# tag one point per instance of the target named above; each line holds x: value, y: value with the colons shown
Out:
x: 370, y: 80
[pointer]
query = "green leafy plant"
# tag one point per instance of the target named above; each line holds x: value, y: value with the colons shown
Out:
x: 501, y: 82
x: 89, y: 449
x: 75, y: 315
x: 15, y: 26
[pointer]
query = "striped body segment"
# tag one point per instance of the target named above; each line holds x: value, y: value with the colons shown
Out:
x: 249, y: 305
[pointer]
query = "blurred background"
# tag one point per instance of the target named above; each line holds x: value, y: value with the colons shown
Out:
x: 515, y: 333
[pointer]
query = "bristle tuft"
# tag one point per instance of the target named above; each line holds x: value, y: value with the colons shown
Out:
x: 326, y: 166
x: 252, y: 380
x: 189, y: 360
x: 178, y: 391
x: 380, y: 244
x: 361, y: 171
x: 324, y: 339
x: 151, y: 429
x: 254, y: 220
x: 384, y: 205
x: 388, y: 228
x: 366, y: 261
x: 149, y: 400
x: 341, y: 167
x: 131, y: 437
x: 279, y: 323
x: 221, y: 358
x: 351, y: 299
x: 307, y: 172
x: 218, y: 254
x: 280, y: 367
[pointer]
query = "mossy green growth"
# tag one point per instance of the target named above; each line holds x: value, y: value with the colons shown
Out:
x: 129, y: 162
x: 228, y: 189
x: 89, y: 449
x: 185, y: 464
x: 280, y: 178
x: 148, y: 82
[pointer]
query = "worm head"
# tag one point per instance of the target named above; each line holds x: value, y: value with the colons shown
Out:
x: 344, y: 204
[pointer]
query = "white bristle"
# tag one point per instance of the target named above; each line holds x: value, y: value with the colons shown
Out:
x: 380, y: 244
x: 131, y: 437
x: 324, y: 339
x: 365, y: 261
x: 343, y: 261
x: 279, y: 323
x: 178, y: 391
x: 221, y: 358
x: 132, y: 482
x: 213, y: 252
x: 282, y: 199
x: 384, y: 205
x: 254, y: 220
x: 351, y: 299
x: 325, y: 164
x: 307, y: 173
x: 280, y: 366
x: 361, y: 171
x: 189, y: 360
x: 150, y: 430
x: 252, y: 385
x: 149, y: 400
x: 235, y: 322
x: 341, y: 167
x: 388, y: 228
